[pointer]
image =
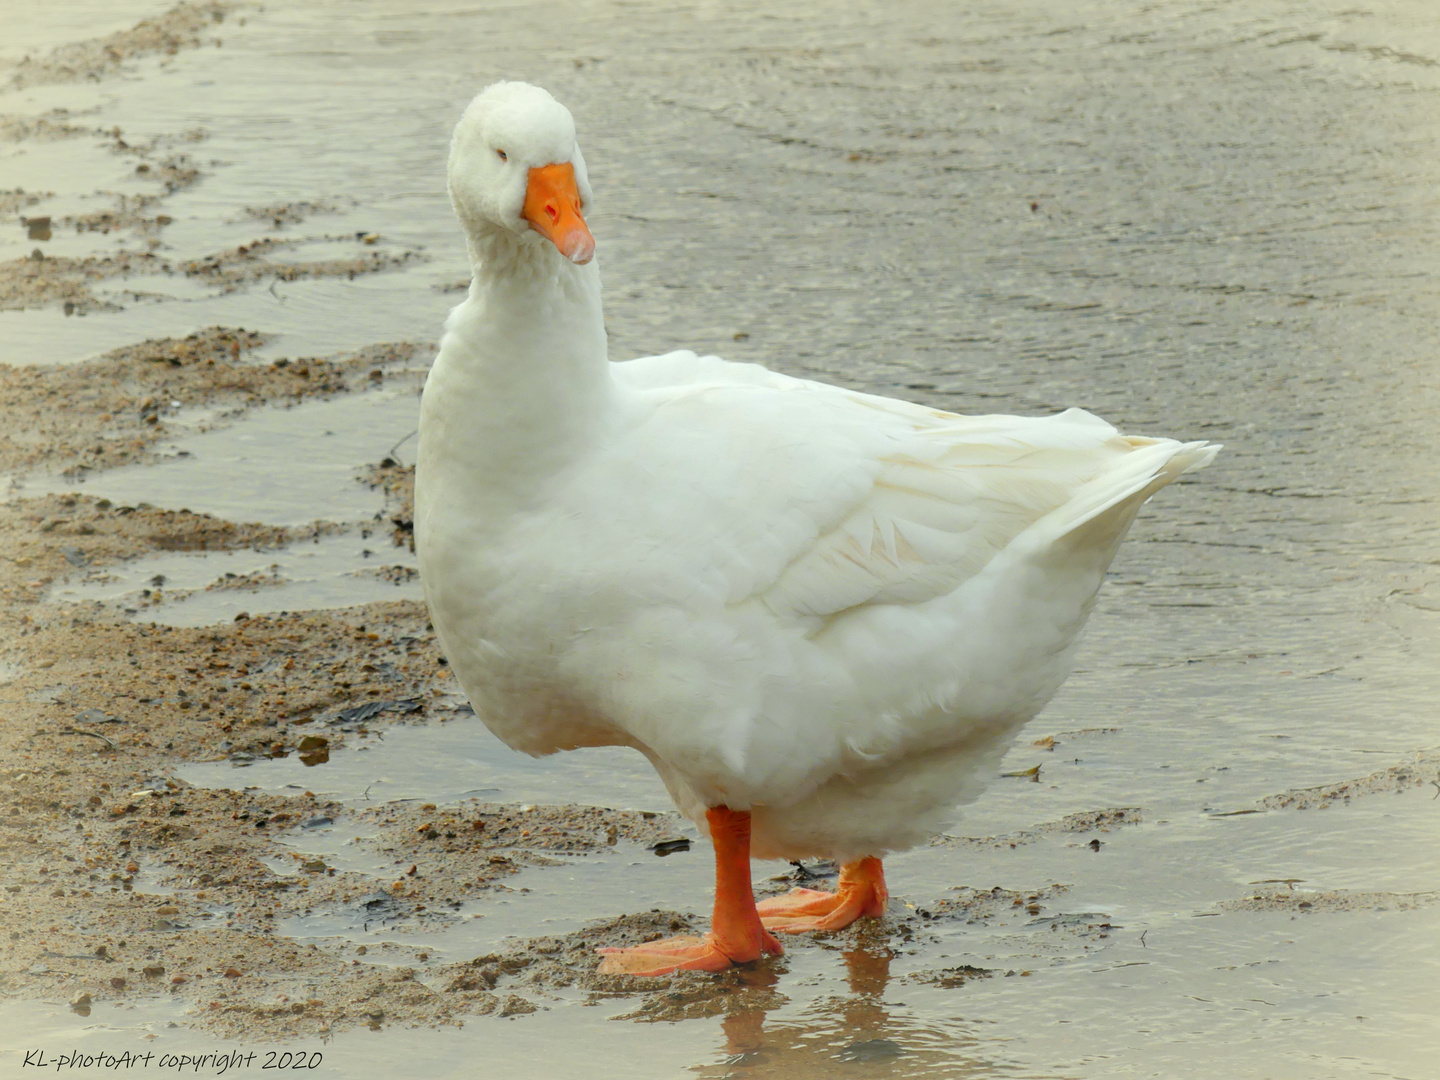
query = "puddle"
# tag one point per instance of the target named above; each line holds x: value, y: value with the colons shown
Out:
x: 205, y: 588
x: 285, y: 466
x: 865, y: 1010
x: 510, y: 1051
x: 1261, y: 977
x: 554, y: 899
x: 445, y: 762
x: 144, y: 289
x: 308, y: 317
x: 83, y: 175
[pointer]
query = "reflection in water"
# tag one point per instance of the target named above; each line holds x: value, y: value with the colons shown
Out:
x: 855, y: 1034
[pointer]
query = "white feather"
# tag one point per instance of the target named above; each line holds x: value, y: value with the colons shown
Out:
x: 829, y: 608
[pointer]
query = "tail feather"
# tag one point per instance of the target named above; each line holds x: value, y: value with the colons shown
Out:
x: 1102, y: 511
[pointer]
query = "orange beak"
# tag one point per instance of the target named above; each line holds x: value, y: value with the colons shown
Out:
x: 552, y: 206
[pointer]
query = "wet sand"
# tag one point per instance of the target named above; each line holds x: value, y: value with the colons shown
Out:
x: 266, y: 908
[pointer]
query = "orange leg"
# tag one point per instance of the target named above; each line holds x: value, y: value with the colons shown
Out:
x: 862, y: 894
x: 736, y: 935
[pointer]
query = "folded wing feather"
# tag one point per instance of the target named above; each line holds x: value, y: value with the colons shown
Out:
x: 945, y: 493
x: 945, y: 503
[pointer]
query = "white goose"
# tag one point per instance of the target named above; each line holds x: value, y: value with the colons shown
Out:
x: 822, y: 615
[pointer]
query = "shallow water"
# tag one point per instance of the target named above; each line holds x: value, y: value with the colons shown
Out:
x: 443, y: 762
x: 205, y: 588
x: 283, y: 466
x: 1197, y: 219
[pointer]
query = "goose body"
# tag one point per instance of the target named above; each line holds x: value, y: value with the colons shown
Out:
x: 817, y: 612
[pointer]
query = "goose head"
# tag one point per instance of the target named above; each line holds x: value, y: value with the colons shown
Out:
x: 516, y: 172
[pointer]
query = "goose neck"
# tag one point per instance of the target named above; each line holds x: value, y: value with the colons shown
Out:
x: 522, y: 384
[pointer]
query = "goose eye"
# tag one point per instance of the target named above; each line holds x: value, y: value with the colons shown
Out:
x: 503, y: 156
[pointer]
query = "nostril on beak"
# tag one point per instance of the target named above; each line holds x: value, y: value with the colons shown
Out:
x: 552, y: 211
